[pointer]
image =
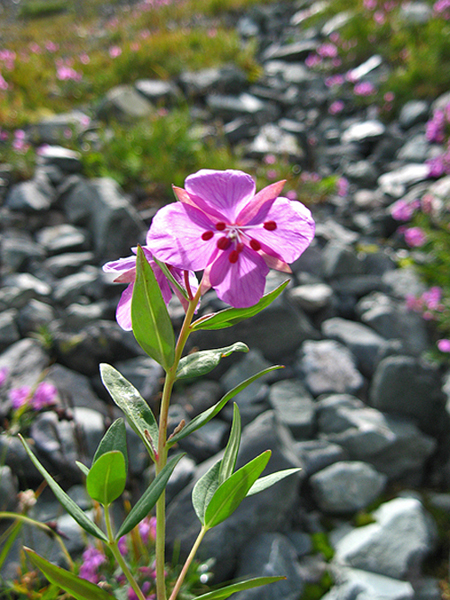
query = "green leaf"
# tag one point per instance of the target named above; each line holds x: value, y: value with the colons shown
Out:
x: 231, y: 451
x: 149, y: 498
x: 73, y: 509
x: 248, y: 584
x: 83, y: 468
x: 79, y: 588
x: 204, y: 490
x: 265, y: 482
x: 12, y: 535
x: 107, y: 477
x: 114, y: 439
x: 200, y: 363
x: 135, y: 408
x: 232, y: 316
x: 150, y: 319
x: 165, y: 269
x: 211, y: 412
x: 231, y: 492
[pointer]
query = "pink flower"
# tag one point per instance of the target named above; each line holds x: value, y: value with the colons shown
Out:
x: 220, y: 226
x: 313, y: 60
x: 3, y: 375
x: 3, y: 83
x: 365, y: 88
x: 415, y: 237
x: 342, y: 186
x: 126, y: 273
x: 270, y: 159
x: 370, y: 4
x: 20, y: 396
x: 334, y: 80
x: 45, y: 395
x: 379, y: 17
x: 402, y: 210
x: 147, y: 529
x: 92, y: 560
x: 389, y: 97
x: 444, y: 345
x: 327, y: 50
x: 115, y: 51
x: 336, y: 107
x: 432, y: 298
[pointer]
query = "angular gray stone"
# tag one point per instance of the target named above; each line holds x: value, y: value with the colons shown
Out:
x: 123, y: 102
x: 144, y: 373
x: 339, y: 259
x: 75, y: 389
x: 230, y: 107
x: 395, y: 545
x: 18, y: 249
x: 315, y: 455
x: 264, y: 555
x: 355, y: 584
x: 311, y: 297
x: 294, y: 407
x: 364, y: 132
x: 69, y: 263
x: 395, y: 183
x: 297, y: 51
x: 345, y: 487
x: 228, y: 79
x: 91, y: 427
x: 25, y: 361
x: 413, y: 112
x: 35, y: 195
x: 157, y: 91
x: 67, y: 160
x: 69, y: 289
x: 35, y: 316
x: 62, y: 238
x: 404, y: 386
x: 363, y: 342
x: 9, y: 332
x: 271, y: 139
x: 8, y: 489
x: 51, y: 129
x: 328, y: 366
x: 394, y: 446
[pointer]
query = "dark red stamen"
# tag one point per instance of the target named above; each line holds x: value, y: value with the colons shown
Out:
x: 255, y: 245
x: 207, y: 235
x: 220, y: 226
x: 234, y: 255
x: 270, y: 225
x: 223, y: 243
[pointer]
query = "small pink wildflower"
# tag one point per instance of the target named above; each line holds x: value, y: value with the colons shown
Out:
x: 45, y: 395
x: 365, y: 88
x: 270, y: 159
x: 292, y: 195
x: 92, y: 560
x: 115, y: 51
x: 370, y: 4
x: 342, y: 186
x: 415, y: 237
x: 51, y: 46
x: 432, y: 298
x: 389, y: 97
x: 85, y: 58
x: 3, y: 375
x: 327, y: 50
x: 271, y: 174
x: 336, y: 107
x: 3, y: 83
x: 379, y: 17
x: 312, y: 60
x: 402, y: 210
x: 443, y: 345
x: 147, y: 529
x: 20, y: 396
x: 334, y: 80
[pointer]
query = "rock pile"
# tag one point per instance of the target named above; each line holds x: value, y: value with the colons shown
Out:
x: 356, y: 407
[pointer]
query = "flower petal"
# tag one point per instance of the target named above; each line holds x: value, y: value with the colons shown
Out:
x: 293, y: 233
x: 175, y: 237
x: 123, y: 311
x: 258, y: 207
x: 240, y: 284
x: 224, y: 191
x: 124, y: 267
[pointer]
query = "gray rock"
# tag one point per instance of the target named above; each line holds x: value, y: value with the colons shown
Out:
x: 8, y: 489
x: 67, y: 160
x: 180, y: 478
x: 265, y: 555
x: 311, y: 297
x: 367, y: 68
x: 339, y: 259
x: 402, y: 385
x: 123, y: 102
x: 355, y: 584
x: 51, y: 129
x: 364, y: 343
x: 273, y: 140
x: 9, y: 332
x: 416, y: 12
x: 395, y: 545
x: 90, y: 430
x: 364, y: 132
x: 34, y: 317
x: 346, y: 487
x: 402, y: 282
x: 79, y: 316
x: 395, y: 183
x: 230, y: 107
x: 413, y: 112
x: 415, y: 149
x: 18, y: 250
x: 113, y: 223
x: 391, y: 320
x: 392, y: 445
x: 268, y: 511
x: 294, y: 407
x: 25, y: 361
x: 364, y: 173
x: 62, y: 238
x: 69, y: 263
x: 75, y: 389
x: 327, y: 367
x: 297, y: 51
x: 144, y: 373
x: 35, y: 195
x: 69, y: 289
x: 296, y: 73
x: 157, y: 91
x: 228, y: 79
x: 315, y: 455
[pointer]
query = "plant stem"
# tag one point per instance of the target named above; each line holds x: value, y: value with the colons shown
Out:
x: 186, y: 565
x: 162, y: 446
x: 119, y: 558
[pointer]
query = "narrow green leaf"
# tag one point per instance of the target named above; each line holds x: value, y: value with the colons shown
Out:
x: 231, y: 492
x: 135, y: 408
x: 265, y: 482
x: 232, y: 316
x: 211, y: 412
x: 200, y: 363
x: 231, y: 451
x: 204, y: 489
x: 107, y: 477
x: 12, y: 535
x: 165, y: 269
x: 79, y: 588
x: 114, y: 439
x: 248, y: 584
x: 73, y: 509
x: 83, y: 468
x: 150, y: 319
x: 149, y: 498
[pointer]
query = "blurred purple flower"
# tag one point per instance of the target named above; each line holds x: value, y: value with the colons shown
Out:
x: 20, y: 396
x: 415, y: 237
x: 365, y: 88
x: 45, y: 395
x: 444, y: 345
x: 92, y: 560
x: 336, y: 107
